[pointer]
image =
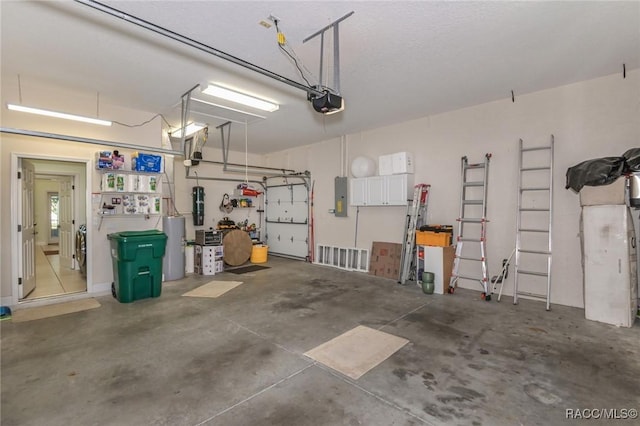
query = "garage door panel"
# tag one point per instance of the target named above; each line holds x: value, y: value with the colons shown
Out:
x: 287, y: 239
x: 286, y: 204
x: 287, y: 220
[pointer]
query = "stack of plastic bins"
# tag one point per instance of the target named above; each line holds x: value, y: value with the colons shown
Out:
x: 137, y: 264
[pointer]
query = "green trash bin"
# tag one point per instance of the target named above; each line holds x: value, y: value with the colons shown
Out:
x: 137, y: 264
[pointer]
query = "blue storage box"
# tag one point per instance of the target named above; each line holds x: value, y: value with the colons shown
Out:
x: 147, y: 163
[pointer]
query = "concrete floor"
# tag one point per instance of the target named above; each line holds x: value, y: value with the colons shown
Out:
x: 238, y: 359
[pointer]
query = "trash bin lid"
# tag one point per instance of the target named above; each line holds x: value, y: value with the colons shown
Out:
x: 151, y: 233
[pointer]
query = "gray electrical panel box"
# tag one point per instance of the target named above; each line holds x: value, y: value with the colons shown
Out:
x: 341, y: 201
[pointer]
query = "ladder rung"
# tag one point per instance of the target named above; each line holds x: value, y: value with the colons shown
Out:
x: 532, y: 230
x: 540, y: 274
x: 471, y: 220
x: 534, y: 210
x: 536, y: 148
x: 472, y: 240
x: 464, y: 277
x: 532, y: 295
x: 541, y: 188
x: 472, y: 202
x: 474, y: 166
x: 529, y: 169
x: 471, y: 258
x: 473, y: 183
x: 535, y: 252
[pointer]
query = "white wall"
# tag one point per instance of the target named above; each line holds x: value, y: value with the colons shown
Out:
x: 49, y: 149
x: 590, y: 119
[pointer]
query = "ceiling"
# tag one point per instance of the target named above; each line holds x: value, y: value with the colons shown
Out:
x: 399, y: 60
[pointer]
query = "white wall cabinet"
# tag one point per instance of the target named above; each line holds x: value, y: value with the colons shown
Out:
x: 392, y: 190
x: 358, y: 196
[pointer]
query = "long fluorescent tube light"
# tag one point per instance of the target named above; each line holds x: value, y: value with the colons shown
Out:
x: 191, y: 129
x: 241, y: 98
x: 58, y: 115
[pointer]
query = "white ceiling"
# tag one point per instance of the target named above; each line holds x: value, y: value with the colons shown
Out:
x: 399, y: 59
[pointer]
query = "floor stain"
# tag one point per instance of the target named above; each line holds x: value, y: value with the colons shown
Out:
x: 429, y: 380
x: 434, y: 411
x: 466, y: 393
x: 402, y: 374
x: 540, y: 394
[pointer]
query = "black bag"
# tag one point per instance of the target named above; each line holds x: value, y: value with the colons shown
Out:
x: 632, y: 160
x: 600, y: 171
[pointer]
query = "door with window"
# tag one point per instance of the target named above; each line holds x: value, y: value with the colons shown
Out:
x: 54, y: 222
x: 66, y: 222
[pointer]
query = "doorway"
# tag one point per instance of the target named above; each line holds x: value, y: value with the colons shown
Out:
x: 51, y: 206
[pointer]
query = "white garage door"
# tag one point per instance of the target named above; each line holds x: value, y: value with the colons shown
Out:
x: 287, y: 216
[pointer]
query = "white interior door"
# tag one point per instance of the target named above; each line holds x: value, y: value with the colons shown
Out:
x: 27, y: 230
x: 53, y: 227
x: 287, y: 219
x: 65, y: 217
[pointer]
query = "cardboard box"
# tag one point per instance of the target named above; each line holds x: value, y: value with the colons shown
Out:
x: 612, y: 194
x: 385, y: 260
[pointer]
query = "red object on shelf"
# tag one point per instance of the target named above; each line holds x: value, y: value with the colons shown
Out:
x: 250, y: 192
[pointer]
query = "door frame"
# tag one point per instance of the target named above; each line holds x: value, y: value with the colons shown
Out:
x: 16, y: 198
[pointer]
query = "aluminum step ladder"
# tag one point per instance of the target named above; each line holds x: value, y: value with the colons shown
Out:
x: 472, y: 224
x: 416, y: 215
x: 535, y: 184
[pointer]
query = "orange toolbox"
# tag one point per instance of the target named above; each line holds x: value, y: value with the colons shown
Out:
x: 434, y: 235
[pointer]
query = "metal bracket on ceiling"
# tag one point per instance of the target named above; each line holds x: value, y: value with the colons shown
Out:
x: 184, y: 116
x: 336, y: 49
x: 225, y: 143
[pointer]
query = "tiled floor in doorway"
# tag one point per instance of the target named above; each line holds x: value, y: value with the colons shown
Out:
x: 52, y: 279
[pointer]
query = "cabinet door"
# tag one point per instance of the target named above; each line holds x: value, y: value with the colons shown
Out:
x: 397, y: 187
x: 358, y: 192
x: 377, y: 191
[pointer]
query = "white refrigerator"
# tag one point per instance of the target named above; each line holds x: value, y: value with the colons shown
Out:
x: 609, y: 264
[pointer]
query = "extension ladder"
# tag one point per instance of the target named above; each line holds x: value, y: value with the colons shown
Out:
x: 416, y: 213
x: 472, y: 223
x: 535, y: 220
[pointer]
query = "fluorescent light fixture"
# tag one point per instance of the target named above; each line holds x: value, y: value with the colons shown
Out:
x: 241, y: 98
x: 191, y: 129
x: 58, y: 115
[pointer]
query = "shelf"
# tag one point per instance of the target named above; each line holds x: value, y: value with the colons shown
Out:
x: 128, y: 193
x: 127, y: 172
x: 130, y: 215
